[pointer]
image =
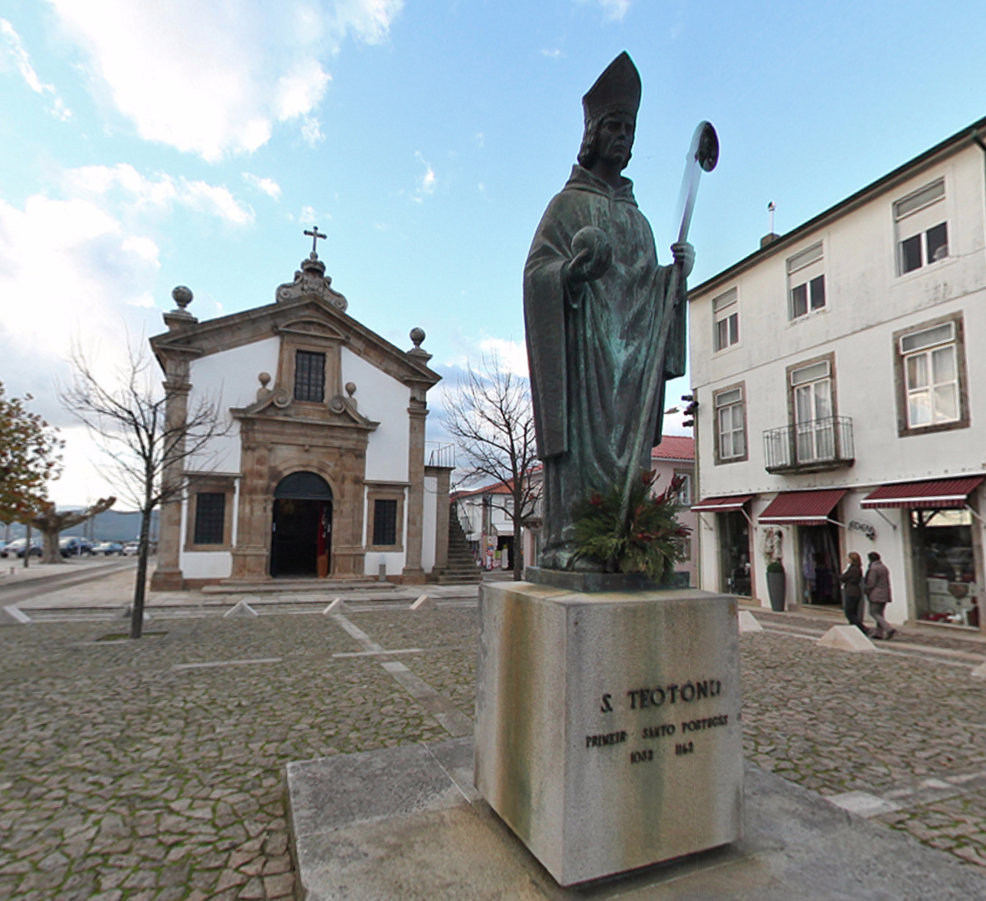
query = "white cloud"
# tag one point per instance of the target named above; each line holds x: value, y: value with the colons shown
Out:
x: 612, y: 9
x: 553, y: 53
x: 213, y: 77
x: 267, y: 185
x: 125, y: 183
x: 311, y: 131
x: 479, y: 140
x: 23, y: 63
x: 307, y: 215
x: 426, y: 182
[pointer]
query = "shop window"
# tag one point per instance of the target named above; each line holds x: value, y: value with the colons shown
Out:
x: 806, y: 282
x: 931, y: 373
x: 922, y: 229
x: 725, y: 311
x: 309, y: 376
x: 946, y: 589
x: 730, y: 412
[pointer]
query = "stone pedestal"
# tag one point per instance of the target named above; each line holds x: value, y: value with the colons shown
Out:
x: 608, y: 731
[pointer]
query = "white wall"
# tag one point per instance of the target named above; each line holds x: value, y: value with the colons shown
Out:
x: 385, y: 400
x: 866, y: 302
x: 229, y: 378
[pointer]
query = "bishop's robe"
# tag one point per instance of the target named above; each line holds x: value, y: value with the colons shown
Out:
x: 597, y: 371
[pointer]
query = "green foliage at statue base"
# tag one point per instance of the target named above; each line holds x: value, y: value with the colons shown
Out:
x: 646, y: 539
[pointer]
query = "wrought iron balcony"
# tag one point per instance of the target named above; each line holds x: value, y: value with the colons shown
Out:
x: 812, y: 446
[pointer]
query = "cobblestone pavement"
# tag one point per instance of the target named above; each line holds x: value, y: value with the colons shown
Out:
x: 908, y: 729
x: 154, y: 770
x: 142, y: 770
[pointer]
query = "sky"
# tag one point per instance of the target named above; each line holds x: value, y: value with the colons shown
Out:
x: 148, y: 144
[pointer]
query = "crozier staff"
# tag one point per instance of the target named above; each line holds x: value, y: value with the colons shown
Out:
x: 605, y: 322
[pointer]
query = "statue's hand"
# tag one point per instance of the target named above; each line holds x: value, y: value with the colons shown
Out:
x: 684, y: 256
x: 593, y: 255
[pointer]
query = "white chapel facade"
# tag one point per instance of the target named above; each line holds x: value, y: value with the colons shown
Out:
x: 842, y: 399
x: 321, y: 471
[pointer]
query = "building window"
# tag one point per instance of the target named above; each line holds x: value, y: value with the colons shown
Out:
x: 309, y: 376
x: 725, y: 311
x: 922, y: 228
x: 932, y: 368
x: 730, y: 425
x: 683, y: 496
x: 806, y: 282
x: 814, y: 423
x: 385, y: 522
x: 210, y: 517
x: 385, y: 516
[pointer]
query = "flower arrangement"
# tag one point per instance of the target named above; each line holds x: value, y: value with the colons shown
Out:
x: 644, y: 540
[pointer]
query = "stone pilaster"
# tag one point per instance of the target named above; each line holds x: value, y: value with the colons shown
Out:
x: 418, y: 411
x: 168, y: 575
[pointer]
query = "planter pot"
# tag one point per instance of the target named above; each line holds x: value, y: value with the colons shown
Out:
x: 775, y: 590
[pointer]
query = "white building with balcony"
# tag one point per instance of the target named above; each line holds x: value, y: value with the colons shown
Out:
x: 841, y: 403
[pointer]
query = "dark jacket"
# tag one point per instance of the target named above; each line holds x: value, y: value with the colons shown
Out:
x: 852, y: 580
x: 878, y: 583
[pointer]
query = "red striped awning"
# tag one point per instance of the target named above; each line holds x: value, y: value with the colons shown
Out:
x: 801, y: 508
x: 722, y: 504
x: 940, y: 493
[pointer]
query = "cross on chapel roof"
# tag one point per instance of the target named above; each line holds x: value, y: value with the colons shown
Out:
x: 314, y: 234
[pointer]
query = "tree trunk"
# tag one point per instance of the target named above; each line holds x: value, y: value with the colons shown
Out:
x: 518, y: 560
x: 140, y: 587
x: 50, y: 552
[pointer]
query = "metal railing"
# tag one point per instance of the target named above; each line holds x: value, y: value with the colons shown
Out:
x: 812, y: 445
x: 442, y: 455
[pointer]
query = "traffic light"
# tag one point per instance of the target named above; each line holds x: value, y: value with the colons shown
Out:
x: 689, y: 411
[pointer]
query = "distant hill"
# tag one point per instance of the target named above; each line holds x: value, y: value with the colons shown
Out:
x: 112, y: 525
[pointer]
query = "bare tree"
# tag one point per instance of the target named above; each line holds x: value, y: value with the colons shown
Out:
x: 50, y: 523
x: 146, y: 443
x: 489, y: 414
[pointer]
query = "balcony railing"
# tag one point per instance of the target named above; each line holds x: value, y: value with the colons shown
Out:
x: 812, y: 446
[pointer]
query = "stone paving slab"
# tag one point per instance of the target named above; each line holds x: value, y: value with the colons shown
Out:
x: 403, y: 824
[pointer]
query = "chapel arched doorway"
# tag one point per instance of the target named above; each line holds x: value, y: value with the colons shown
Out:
x: 301, y: 531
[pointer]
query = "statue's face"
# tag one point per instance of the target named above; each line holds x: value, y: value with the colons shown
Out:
x: 615, y: 139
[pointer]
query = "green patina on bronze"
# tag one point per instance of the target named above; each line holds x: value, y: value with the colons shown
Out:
x: 605, y: 322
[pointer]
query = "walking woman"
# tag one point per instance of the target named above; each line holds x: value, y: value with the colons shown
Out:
x: 877, y: 588
x: 852, y: 592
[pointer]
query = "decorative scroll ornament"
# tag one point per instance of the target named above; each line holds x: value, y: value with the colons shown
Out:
x: 311, y: 280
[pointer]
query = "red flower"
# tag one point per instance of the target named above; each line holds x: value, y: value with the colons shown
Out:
x: 596, y: 499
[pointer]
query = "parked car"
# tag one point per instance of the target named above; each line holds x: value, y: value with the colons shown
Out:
x: 130, y: 548
x: 74, y: 546
x: 108, y: 548
x: 16, y: 548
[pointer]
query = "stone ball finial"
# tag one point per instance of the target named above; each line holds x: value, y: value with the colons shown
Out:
x: 350, y: 388
x: 264, y: 378
x: 417, y: 336
x: 182, y: 296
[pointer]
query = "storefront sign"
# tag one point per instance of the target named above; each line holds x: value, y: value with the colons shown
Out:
x: 864, y: 527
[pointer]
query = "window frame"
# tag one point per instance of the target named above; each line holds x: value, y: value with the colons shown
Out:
x: 793, y: 386
x: 385, y: 491
x: 728, y: 313
x: 904, y: 427
x: 925, y: 217
x: 209, y: 484
x: 741, y: 403
x: 299, y: 351
x: 806, y: 269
